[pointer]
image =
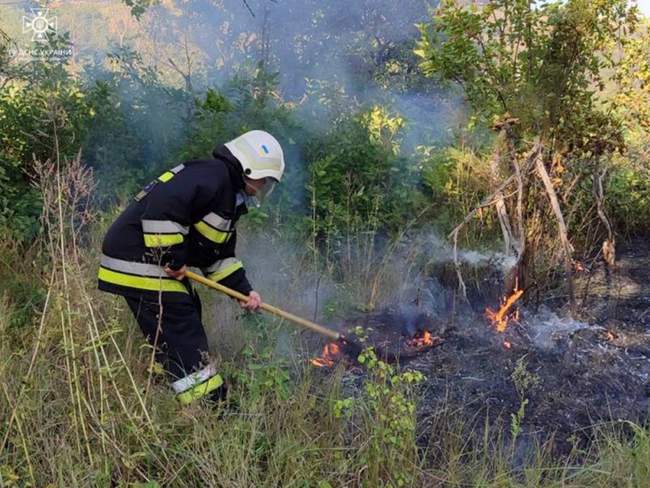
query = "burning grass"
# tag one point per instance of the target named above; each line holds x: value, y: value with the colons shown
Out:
x: 332, y: 353
x: 420, y: 342
x: 504, y: 315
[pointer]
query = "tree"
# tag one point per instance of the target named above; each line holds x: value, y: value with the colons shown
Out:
x: 534, y: 71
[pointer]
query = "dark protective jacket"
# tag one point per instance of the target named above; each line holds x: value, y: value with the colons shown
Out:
x: 185, y: 217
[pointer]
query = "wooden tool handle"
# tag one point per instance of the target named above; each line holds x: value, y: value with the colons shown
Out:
x: 308, y: 324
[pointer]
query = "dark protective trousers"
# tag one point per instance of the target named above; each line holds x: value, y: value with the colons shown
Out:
x: 181, y: 344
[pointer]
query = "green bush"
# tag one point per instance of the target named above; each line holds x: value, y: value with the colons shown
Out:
x: 358, y: 181
x: 35, y: 106
x: 628, y: 198
x: 458, y: 179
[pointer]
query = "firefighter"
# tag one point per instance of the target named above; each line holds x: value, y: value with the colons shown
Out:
x: 187, y: 217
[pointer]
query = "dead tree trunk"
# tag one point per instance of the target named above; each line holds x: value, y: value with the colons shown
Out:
x: 609, y: 244
x: 567, y: 248
x: 521, y: 266
x: 503, y: 144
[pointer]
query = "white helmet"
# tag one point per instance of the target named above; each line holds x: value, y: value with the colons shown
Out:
x: 259, y: 153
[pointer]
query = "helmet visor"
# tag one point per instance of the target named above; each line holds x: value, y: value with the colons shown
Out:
x: 265, y: 190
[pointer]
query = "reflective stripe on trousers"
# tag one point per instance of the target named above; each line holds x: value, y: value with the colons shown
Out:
x: 176, y: 332
x: 197, y: 384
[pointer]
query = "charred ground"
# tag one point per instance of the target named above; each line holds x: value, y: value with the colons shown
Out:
x: 580, y: 372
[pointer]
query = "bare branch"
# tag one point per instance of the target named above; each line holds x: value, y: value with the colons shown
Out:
x: 249, y: 8
x: 488, y: 201
x: 567, y: 248
x: 609, y: 245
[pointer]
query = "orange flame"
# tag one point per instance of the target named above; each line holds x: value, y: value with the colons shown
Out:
x: 421, y: 339
x: 500, y: 318
x: 331, y: 352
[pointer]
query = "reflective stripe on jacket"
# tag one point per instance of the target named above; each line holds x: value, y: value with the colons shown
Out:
x: 187, y: 217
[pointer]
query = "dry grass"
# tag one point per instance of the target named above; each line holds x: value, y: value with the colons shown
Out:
x: 76, y: 411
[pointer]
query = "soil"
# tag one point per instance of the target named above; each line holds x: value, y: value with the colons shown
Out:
x: 584, y: 371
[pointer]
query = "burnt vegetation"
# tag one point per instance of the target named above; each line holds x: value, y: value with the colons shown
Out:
x: 467, y: 200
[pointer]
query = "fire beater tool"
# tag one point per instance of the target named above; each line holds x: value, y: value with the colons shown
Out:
x: 350, y: 347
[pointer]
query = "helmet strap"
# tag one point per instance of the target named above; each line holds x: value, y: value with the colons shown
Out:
x: 248, y: 185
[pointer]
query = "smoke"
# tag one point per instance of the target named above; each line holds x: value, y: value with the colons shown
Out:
x: 546, y: 329
x: 363, y: 50
x: 284, y: 273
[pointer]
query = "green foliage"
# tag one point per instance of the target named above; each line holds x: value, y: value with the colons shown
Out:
x: 36, y: 105
x: 524, y: 382
x: 139, y: 7
x: 111, y: 146
x: 358, y: 180
x: 628, y: 187
x: 208, y: 126
x: 628, y: 198
x: 537, y: 71
x: 21, y: 296
x: 539, y: 63
x: 264, y: 375
x: 457, y: 179
x: 388, y: 409
x: 141, y: 123
x: 27, y: 298
x: 126, y: 122
x: 631, y: 91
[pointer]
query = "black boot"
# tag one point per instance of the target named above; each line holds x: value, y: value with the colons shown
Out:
x: 220, y: 395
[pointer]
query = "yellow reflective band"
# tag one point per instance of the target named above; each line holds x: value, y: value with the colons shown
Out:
x: 212, y: 234
x: 166, y: 176
x: 140, y: 282
x: 200, y: 391
x: 162, y: 240
x: 227, y: 271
